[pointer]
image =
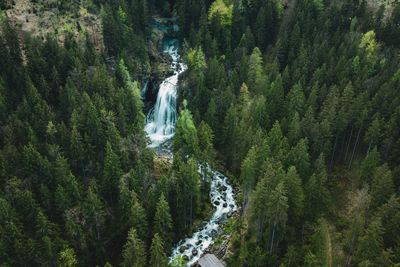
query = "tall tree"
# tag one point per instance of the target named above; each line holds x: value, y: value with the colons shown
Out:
x: 158, y: 258
x: 163, y: 220
x: 134, y: 253
x: 185, y: 140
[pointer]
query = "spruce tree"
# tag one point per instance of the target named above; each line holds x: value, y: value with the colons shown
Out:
x: 163, y: 220
x: 158, y: 258
x: 134, y: 253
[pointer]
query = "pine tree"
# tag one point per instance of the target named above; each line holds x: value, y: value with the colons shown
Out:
x: 317, y: 194
x: 134, y: 253
x: 371, y: 243
x: 138, y: 220
x: 158, y: 258
x: 94, y: 212
x: 369, y: 165
x: 295, y: 100
x: 185, y: 140
x: 277, y: 206
x: 206, y: 139
x: 295, y: 196
x: 229, y: 133
x: 67, y: 258
x: 111, y: 174
x: 382, y: 186
x: 248, y: 176
x: 255, y: 74
x: 163, y: 221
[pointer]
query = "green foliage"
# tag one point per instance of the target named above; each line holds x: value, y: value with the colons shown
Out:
x: 158, y: 257
x: 67, y: 258
x: 134, y: 254
x: 194, y: 58
x: 185, y: 140
x: 163, y: 220
x: 223, y: 9
x: 178, y: 261
x: 371, y: 243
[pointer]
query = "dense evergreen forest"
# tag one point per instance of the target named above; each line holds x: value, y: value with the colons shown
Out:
x: 298, y: 102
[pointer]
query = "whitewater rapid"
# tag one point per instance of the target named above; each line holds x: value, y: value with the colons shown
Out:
x: 223, y: 201
x: 160, y: 127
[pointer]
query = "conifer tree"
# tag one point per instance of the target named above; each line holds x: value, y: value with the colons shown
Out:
x: 185, y: 140
x: 163, y: 220
x: 138, y: 220
x: 371, y: 243
x: 382, y: 186
x: 157, y: 254
x: 111, y: 174
x: 134, y: 253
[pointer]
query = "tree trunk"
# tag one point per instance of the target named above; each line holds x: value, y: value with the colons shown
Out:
x: 355, y: 146
x: 191, y: 209
x: 348, y: 143
x: 272, y: 239
x: 334, y: 150
x: 244, y: 202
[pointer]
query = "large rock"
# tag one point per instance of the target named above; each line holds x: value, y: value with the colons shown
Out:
x: 222, y: 188
x: 182, y: 249
x: 214, y: 233
x: 194, y: 252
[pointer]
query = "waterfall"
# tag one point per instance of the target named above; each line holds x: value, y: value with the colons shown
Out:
x: 160, y: 127
x: 160, y: 121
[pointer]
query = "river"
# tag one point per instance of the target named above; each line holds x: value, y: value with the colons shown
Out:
x: 160, y: 128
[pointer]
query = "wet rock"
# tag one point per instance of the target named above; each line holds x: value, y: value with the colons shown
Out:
x: 194, y: 252
x: 186, y: 258
x: 230, y: 214
x: 182, y: 249
x: 200, y: 236
x: 225, y: 205
x: 214, y: 233
x: 222, y: 188
x: 217, y: 202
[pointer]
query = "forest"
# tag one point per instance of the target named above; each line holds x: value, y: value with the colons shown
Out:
x: 297, y: 102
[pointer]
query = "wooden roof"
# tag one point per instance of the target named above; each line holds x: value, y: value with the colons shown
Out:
x: 209, y: 260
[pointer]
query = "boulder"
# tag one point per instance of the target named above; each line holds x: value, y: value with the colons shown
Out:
x: 182, y: 249
x: 222, y: 188
x: 214, y: 233
x: 194, y: 252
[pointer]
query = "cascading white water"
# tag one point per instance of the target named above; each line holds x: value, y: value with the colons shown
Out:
x: 160, y: 121
x: 160, y: 127
x: 221, y: 195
